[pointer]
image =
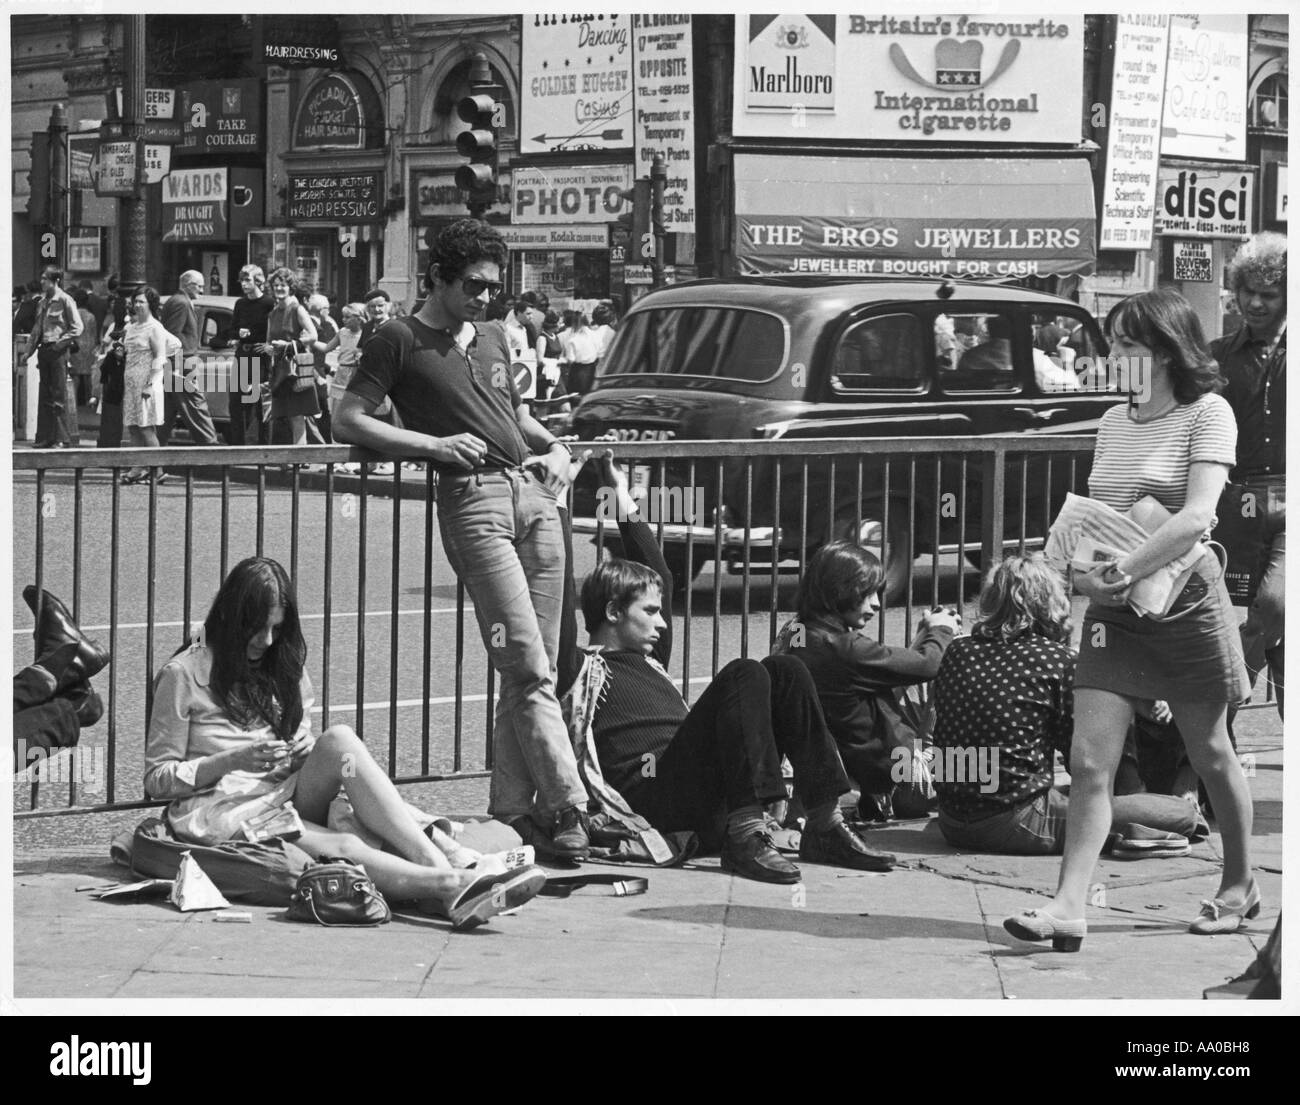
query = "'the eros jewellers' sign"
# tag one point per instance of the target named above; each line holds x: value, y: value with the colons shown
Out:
x: 355, y: 197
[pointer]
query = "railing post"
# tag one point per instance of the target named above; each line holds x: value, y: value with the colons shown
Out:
x: 993, y: 497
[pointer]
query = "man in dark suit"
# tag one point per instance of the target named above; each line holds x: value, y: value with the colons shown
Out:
x: 184, y: 392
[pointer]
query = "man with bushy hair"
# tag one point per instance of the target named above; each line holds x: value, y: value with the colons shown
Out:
x: 501, y: 474
x: 1253, y: 361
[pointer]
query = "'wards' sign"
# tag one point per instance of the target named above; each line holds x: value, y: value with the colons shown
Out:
x: 194, y: 205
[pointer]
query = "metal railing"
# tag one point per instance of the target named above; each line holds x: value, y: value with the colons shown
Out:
x: 138, y: 565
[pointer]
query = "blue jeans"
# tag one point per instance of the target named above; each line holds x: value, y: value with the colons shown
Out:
x: 502, y: 534
x: 1038, y: 828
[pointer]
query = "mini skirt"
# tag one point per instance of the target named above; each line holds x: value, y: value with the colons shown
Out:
x: 1193, y: 658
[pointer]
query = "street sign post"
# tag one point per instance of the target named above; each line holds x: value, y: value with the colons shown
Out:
x: 113, y: 169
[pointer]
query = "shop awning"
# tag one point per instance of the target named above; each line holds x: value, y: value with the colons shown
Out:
x: 986, y: 218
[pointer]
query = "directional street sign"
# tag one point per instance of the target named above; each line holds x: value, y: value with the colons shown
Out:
x: 158, y: 131
x: 113, y: 169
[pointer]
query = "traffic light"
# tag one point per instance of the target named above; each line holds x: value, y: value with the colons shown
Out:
x: 636, y: 221
x: 38, y: 177
x: 479, y: 144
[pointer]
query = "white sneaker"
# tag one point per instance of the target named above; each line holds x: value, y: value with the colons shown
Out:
x: 492, y: 894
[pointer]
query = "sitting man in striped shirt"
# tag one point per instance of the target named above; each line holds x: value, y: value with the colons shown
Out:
x: 708, y: 768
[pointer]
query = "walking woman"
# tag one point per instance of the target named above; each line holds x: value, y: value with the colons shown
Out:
x: 146, y: 342
x: 1175, y: 439
x: 287, y: 324
x: 231, y: 725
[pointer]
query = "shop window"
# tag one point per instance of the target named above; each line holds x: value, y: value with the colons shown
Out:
x: 973, y: 352
x: 1269, y: 106
x: 715, y: 342
x: 881, y: 354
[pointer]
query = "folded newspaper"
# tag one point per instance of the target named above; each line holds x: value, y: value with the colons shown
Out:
x: 1087, y: 532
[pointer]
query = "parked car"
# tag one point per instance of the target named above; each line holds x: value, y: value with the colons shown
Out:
x: 780, y: 358
x: 216, y: 378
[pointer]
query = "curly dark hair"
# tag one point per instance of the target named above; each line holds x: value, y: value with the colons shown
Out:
x: 151, y: 297
x: 461, y: 244
x: 272, y: 689
x: 1164, y: 322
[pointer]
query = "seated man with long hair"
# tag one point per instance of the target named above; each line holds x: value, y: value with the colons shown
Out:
x: 1004, y: 701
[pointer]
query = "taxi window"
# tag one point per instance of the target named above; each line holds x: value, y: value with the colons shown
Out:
x: 974, y: 352
x: 886, y: 353
x: 719, y: 342
x: 213, y: 323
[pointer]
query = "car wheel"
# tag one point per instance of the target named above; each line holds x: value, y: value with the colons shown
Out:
x: 870, y: 535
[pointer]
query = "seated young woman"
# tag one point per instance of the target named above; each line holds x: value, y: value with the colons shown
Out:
x: 1004, y: 701
x: 230, y: 735
x: 859, y: 680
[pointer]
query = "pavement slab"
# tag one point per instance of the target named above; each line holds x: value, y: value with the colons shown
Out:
x: 929, y: 930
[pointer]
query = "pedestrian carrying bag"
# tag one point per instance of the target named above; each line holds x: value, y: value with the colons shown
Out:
x: 338, y: 893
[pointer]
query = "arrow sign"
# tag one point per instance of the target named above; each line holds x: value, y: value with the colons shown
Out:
x: 1174, y: 132
x: 594, y: 136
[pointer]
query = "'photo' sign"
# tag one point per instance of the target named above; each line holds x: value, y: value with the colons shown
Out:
x: 576, y: 84
x: 910, y: 78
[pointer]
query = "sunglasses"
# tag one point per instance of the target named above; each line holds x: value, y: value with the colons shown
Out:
x: 474, y: 287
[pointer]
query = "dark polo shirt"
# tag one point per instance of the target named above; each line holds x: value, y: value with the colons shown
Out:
x: 439, y: 389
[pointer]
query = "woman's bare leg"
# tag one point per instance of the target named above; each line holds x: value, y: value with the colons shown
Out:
x: 1101, y: 720
x: 397, y: 879
x: 341, y: 759
x: 1205, y: 732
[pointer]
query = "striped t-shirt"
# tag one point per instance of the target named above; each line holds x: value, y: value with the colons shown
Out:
x: 1152, y: 458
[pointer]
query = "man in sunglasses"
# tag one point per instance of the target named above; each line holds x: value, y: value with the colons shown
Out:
x: 501, y: 474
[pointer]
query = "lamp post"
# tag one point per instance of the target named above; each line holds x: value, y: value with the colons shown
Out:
x: 658, y: 180
x: 134, y: 222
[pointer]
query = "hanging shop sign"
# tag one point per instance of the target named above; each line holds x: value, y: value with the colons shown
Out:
x: 570, y: 193
x: 916, y: 78
x: 223, y: 116
x: 1192, y: 262
x: 331, y: 115
x: 348, y: 197
x: 555, y: 237
x: 1205, y: 203
x: 576, y: 84
x: 194, y: 205
x: 436, y: 195
x: 1128, y: 193
x: 159, y: 103
x: 297, y: 41
x: 664, y: 102
x: 1205, y: 89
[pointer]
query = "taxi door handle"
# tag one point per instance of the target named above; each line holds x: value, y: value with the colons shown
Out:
x: 1035, y: 415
